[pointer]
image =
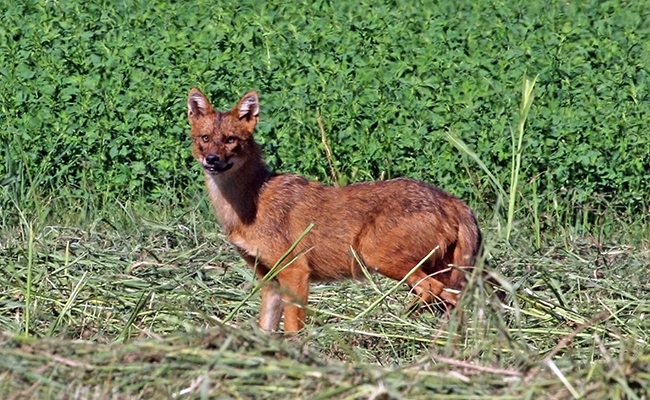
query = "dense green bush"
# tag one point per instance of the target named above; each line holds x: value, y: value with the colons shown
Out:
x: 92, y: 94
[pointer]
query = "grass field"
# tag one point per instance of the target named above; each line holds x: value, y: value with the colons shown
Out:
x: 137, y: 304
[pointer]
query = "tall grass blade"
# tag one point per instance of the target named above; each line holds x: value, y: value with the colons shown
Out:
x: 69, y: 303
x: 337, y: 178
x: 462, y: 146
x: 517, y: 148
x: 563, y: 379
x: 144, y: 297
x: 30, y: 267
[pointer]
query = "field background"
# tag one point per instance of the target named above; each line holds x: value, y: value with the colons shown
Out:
x: 116, y: 283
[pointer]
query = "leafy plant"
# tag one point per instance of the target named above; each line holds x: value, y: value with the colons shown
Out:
x: 93, y: 95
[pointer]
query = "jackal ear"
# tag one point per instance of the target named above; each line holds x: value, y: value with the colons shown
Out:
x: 248, y: 107
x: 197, y: 104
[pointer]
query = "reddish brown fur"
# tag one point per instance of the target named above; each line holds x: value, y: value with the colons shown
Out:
x: 392, y: 225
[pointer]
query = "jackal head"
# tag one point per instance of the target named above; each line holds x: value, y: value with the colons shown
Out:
x: 222, y: 141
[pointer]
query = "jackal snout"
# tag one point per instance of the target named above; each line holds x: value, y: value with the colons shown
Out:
x: 213, y: 163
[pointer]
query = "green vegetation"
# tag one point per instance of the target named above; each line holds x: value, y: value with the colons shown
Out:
x: 93, y: 93
x: 116, y: 284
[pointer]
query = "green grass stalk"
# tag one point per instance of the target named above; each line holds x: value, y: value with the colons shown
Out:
x: 69, y: 303
x: 517, y: 147
x: 337, y: 178
x: 142, y: 301
x: 30, y: 266
x: 536, y: 224
x: 462, y: 146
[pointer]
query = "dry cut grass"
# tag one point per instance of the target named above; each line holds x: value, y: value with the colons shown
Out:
x: 124, y: 307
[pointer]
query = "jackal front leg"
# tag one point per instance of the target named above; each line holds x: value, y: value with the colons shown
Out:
x: 294, y: 285
x: 272, y: 306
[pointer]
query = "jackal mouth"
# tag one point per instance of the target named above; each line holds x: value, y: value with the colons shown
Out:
x: 217, y: 168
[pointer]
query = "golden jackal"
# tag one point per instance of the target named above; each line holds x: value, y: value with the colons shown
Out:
x: 391, y: 225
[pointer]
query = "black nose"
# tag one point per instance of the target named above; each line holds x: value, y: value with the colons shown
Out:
x: 212, y: 159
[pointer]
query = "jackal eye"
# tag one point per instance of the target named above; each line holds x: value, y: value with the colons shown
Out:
x: 231, y: 140
x: 205, y: 138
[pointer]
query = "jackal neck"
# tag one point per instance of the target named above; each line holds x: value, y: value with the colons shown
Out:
x: 235, y: 195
